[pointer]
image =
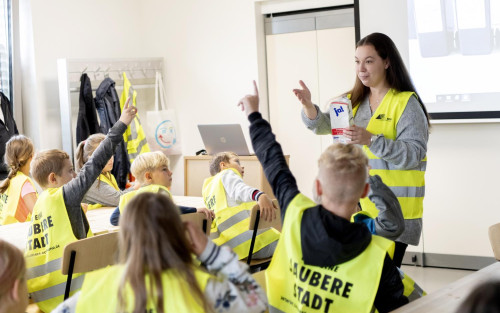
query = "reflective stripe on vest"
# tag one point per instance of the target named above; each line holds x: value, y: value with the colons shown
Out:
x: 125, y: 199
x: 9, y: 201
x: 412, y: 290
x: 107, y: 180
x: 100, y: 292
x: 49, y: 233
x: 134, y: 136
x: 293, y: 286
x: 409, y: 184
x: 230, y: 226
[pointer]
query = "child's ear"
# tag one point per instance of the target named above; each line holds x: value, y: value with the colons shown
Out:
x: 319, y: 189
x: 14, y: 292
x: 52, y: 178
x: 366, y: 190
x: 148, y: 177
x: 222, y: 165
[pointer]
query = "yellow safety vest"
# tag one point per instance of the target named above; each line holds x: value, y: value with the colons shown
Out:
x: 100, y: 292
x: 125, y: 199
x: 134, y: 136
x: 9, y: 201
x: 293, y: 286
x: 107, y: 180
x: 49, y: 233
x: 407, y: 185
x: 230, y: 226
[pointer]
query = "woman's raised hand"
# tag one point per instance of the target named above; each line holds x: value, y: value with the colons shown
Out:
x: 304, y: 95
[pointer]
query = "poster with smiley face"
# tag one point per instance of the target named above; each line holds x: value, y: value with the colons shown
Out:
x: 162, y: 132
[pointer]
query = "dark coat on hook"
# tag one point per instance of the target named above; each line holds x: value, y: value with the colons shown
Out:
x: 8, y: 128
x: 87, y: 123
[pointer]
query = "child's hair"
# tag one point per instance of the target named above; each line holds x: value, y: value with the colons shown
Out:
x: 86, y: 148
x: 343, y: 172
x: 214, y: 166
x: 12, y: 268
x: 18, y: 151
x: 46, y: 162
x: 483, y: 299
x: 153, y: 239
x: 148, y: 162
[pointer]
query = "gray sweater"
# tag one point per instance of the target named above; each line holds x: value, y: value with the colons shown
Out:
x: 406, y: 152
x: 102, y: 193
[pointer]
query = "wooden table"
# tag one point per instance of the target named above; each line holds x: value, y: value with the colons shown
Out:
x: 449, y: 298
x: 98, y: 219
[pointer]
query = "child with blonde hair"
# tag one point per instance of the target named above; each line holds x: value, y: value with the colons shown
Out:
x: 13, y: 290
x: 104, y: 191
x: 157, y: 272
x: 152, y: 172
x: 232, y: 201
x: 58, y: 218
x: 17, y: 192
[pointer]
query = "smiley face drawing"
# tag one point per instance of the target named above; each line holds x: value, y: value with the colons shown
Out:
x: 165, y: 134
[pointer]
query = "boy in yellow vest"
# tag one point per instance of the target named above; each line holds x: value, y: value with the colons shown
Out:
x: 323, y: 262
x: 227, y: 194
x: 152, y: 172
x: 58, y: 218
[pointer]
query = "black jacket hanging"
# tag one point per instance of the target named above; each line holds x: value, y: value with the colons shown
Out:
x: 8, y: 128
x: 86, y: 123
x: 108, y: 108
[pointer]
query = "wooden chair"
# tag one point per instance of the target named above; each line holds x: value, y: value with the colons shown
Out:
x: 255, y: 224
x: 87, y: 255
x: 199, y: 219
x: 494, y: 234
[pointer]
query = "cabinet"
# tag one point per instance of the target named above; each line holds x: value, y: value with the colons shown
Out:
x: 196, y: 171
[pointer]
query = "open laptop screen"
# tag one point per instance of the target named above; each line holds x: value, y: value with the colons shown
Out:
x: 223, y: 137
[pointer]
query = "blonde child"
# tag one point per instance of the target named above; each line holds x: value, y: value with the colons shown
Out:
x: 18, y: 192
x: 152, y: 172
x: 231, y: 199
x: 104, y: 191
x: 13, y: 291
x: 58, y: 218
x: 156, y: 250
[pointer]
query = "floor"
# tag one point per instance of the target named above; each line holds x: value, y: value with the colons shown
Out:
x: 433, y: 278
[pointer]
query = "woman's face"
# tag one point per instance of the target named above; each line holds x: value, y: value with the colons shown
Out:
x: 370, y: 67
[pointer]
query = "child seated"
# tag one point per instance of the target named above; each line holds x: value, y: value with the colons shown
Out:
x: 323, y: 262
x: 232, y: 200
x: 104, y: 191
x: 13, y: 291
x: 151, y: 171
x: 58, y: 218
x: 157, y: 271
x: 17, y: 192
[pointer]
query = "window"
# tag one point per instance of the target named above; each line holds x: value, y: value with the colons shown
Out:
x: 6, y: 48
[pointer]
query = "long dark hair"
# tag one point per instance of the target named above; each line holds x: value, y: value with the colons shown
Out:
x: 396, y: 74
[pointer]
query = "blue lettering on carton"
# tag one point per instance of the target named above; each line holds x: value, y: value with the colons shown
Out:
x: 339, y: 110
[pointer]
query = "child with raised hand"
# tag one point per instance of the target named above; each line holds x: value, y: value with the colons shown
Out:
x: 13, y: 291
x: 104, y: 191
x: 232, y: 200
x: 151, y: 170
x: 17, y: 192
x: 157, y: 272
x: 58, y: 218
x: 318, y: 242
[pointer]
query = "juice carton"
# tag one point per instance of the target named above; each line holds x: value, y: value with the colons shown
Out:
x: 340, y: 118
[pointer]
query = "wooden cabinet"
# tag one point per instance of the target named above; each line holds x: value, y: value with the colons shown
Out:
x: 196, y: 171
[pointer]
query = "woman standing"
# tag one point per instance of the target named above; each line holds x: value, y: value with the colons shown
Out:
x: 392, y: 124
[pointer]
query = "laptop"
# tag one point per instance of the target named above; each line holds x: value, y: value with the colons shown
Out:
x: 223, y: 137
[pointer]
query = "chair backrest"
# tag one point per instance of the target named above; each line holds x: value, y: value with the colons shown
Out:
x: 199, y: 219
x: 91, y: 253
x: 276, y: 223
x: 494, y: 234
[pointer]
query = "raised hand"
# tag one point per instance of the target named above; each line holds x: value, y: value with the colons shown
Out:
x: 128, y: 113
x: 250, y: 103
x: 304, y: 95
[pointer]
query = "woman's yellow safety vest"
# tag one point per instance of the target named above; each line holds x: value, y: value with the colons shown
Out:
x: 124, y: 199
x: 9, y: 201
x: 49, y: 233
x: 134, y: 136
x: 100, y: 292
x: 408, y: 184
x: 293, y: 286
x: 230, y: 226
x: 107, y: 180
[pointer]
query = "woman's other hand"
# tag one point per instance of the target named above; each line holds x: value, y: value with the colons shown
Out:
x: 358, y: 135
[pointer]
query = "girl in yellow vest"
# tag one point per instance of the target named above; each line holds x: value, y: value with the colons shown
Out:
x: 58, y: 218
x: 13, y: 290
x: 152, y: 172
x: 17, y: 192
x: 104, y: 191
x: 232, y: 200
x: 156, y: 258
x: 392, y: 125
